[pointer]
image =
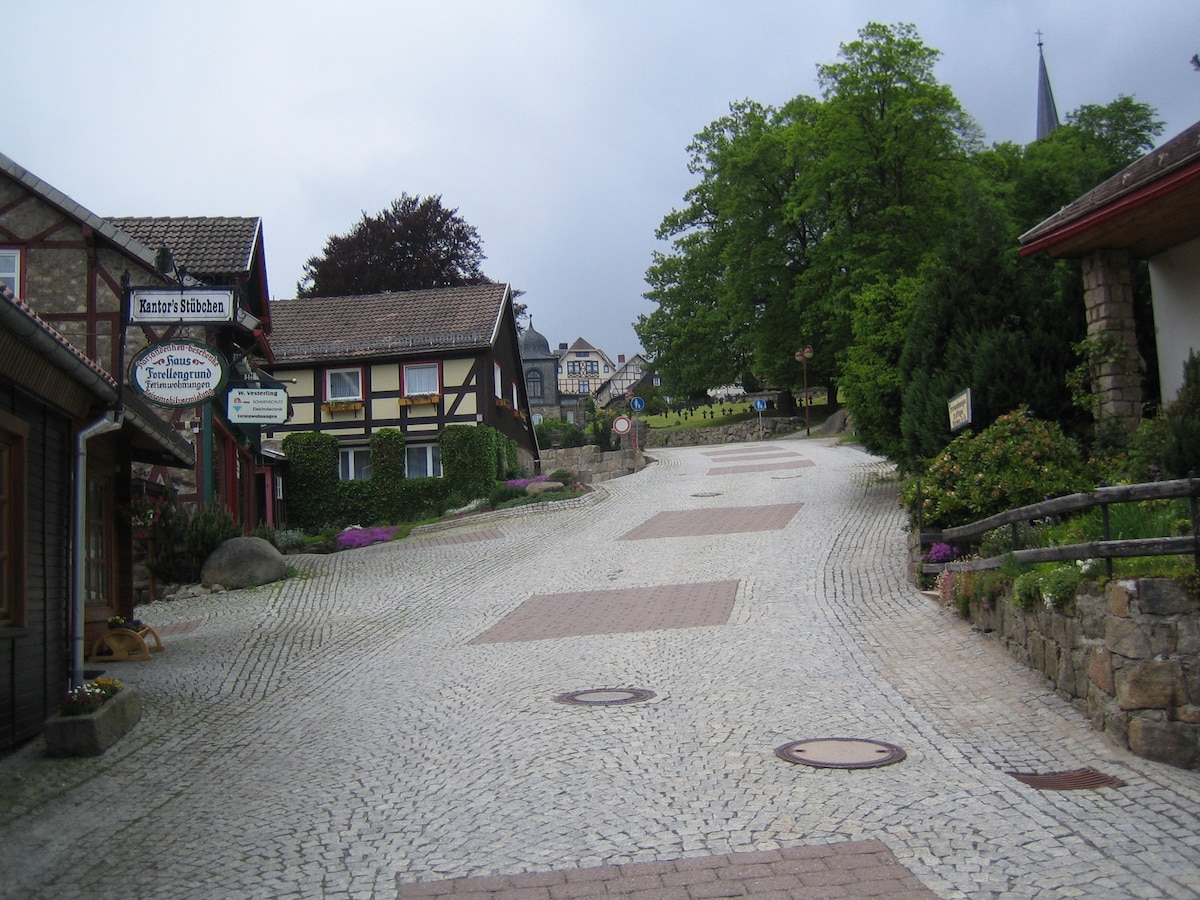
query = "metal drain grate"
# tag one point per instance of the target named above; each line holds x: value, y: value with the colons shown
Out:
x: 840, y: 753
x: 1074, y: 780
x: 708, y: 494
x: 605, y: 696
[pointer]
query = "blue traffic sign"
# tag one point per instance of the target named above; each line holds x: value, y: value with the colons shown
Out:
x: 637, y: 404
x: 760, y: 404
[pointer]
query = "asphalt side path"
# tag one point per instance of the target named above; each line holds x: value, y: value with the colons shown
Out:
x: 393, y: 723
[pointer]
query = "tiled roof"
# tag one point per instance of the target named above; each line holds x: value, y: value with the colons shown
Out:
x: 440, y: 319
x: 52, y: 195
x: 204, y: 245
x: 1166, y: 164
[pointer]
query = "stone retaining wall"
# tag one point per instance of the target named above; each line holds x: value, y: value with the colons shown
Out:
x: 590, y: 464
x: 1128, y: 653
x: 725, y: 434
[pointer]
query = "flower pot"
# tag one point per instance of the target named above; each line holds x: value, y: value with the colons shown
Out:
x: 92, y: 734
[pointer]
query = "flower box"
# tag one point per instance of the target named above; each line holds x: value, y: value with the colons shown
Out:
x: 95, y: 732
x: 502, y: 403
x: 419, y: 399
x: 338, y: 406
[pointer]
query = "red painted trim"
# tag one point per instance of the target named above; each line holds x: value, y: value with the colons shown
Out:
x: 1115, y: 209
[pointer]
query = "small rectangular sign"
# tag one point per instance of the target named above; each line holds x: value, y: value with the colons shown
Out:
x: 262, y: 406
x: 181, y: 306
x: 960, y: 410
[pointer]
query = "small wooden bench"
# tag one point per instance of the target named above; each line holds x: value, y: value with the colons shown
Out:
x: 126, y: 644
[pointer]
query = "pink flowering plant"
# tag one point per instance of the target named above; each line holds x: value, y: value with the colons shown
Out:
x: 355, y: 537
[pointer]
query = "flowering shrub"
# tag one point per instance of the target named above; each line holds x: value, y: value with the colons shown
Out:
x: 119, y: 622
x: 941, y: 552
x: 525, y: 482
x: 87, y: 698
x: 363, y: 537
x: 1015, y: 461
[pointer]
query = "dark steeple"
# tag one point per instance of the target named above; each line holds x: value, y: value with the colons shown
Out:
x: 1047, y: 112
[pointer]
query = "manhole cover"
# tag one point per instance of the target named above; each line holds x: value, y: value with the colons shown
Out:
x: 708, y: 494
x: 1074, y: 780
x: 605, y: 696
x: 840, y: 753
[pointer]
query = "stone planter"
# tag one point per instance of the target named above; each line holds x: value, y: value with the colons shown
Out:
x: 92, y: 734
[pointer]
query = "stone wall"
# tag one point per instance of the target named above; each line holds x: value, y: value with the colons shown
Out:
x: 590, y: 464
x: 1128, y: 653
x: 724, y: 434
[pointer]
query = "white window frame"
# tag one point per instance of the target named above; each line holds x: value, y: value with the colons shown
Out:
x: 585, y: 387
x: 12, y: 271
x: 498, y: 380
x: 433, y: 460
x: 329, y: 395
x: 421, y: 389
x: 354, y: 463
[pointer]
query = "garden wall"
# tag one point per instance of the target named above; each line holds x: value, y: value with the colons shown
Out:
x: 590, y: 464
x: 1128, y: 653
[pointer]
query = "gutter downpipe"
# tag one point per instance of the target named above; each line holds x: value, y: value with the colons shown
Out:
x: 110, y: 422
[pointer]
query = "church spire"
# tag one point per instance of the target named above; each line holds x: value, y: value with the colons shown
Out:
x: 1047, y: 112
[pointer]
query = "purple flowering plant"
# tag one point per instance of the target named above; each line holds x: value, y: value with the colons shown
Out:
x: 941, y: 552
x: 352, y: 538
x: 525, y: 482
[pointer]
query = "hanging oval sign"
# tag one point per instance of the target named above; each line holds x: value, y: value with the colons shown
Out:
x: 178, y: 373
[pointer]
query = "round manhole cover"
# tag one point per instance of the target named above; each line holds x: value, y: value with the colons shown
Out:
x: 605, y: 696
x: 840, y: 753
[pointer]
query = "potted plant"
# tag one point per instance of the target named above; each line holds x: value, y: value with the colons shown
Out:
x: 91, y: 718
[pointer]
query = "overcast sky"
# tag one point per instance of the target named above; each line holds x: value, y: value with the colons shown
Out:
x: 558, y: 128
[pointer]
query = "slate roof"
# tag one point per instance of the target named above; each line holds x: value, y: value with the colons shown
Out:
x: 58, y: 199
x: 392, y: 324
x: 1147, y: 206
x: 208, y: 246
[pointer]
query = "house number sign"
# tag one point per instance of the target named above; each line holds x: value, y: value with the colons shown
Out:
x: 176, y: 374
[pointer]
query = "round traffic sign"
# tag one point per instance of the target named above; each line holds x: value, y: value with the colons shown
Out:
x: 760, y: 404
x: 637, y: 404
x: 622, y: 424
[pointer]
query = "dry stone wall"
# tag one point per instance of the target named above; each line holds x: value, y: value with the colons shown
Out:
x: 1127, y: 652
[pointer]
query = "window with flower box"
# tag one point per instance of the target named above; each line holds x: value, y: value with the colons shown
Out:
x: 422, y: 380
x: 343, y: 385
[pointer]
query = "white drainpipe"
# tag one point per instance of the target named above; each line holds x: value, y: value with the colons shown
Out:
x: 110, y: 422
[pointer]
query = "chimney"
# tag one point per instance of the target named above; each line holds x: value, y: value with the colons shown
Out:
x: 621, y: 358
x: 562, y: 346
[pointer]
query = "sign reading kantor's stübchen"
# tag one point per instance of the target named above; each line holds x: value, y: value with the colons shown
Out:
x: 186, y: 306
x: 177, y: 373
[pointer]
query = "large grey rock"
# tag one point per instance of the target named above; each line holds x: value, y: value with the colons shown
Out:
x: 242, y: 562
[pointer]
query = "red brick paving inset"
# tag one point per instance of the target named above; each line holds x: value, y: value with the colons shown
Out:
x: 718, y: 520
x: 848, y: 869
x: 765, y: 467
x: 545, y: 616
x: 746, y: 450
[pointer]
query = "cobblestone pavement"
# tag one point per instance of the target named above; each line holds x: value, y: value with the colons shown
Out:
x: 339, y: 735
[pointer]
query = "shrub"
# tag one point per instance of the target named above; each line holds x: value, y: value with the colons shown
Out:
x: 502, y: 493
x: 312, y: 479
x: 473, y: 457
x: 1058, y: 586
x: 1015, y: 461
x: 185, y: 542
x: 567, y: 434
x: 288, y: 539
x: 1182, y: 451
x: 562, y: 476
x: 1026, y: 591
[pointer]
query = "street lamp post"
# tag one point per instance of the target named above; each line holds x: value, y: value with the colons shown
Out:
x: 804, y: 354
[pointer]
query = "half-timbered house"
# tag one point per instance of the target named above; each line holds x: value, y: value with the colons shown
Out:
x: 413, y: 360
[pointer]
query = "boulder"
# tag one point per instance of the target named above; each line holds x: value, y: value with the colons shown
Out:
x: 243, y: 561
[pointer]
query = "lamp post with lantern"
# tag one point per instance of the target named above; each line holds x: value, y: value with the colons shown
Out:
x: 804, y: 354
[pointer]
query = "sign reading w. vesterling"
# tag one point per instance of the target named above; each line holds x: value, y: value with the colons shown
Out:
x: 186, y: 306
x: 177, y: 373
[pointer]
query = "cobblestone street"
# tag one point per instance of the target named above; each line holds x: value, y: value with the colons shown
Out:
x: 390, y: 724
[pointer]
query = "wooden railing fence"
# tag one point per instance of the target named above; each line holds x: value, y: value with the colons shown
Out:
x: 1106, y: 549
